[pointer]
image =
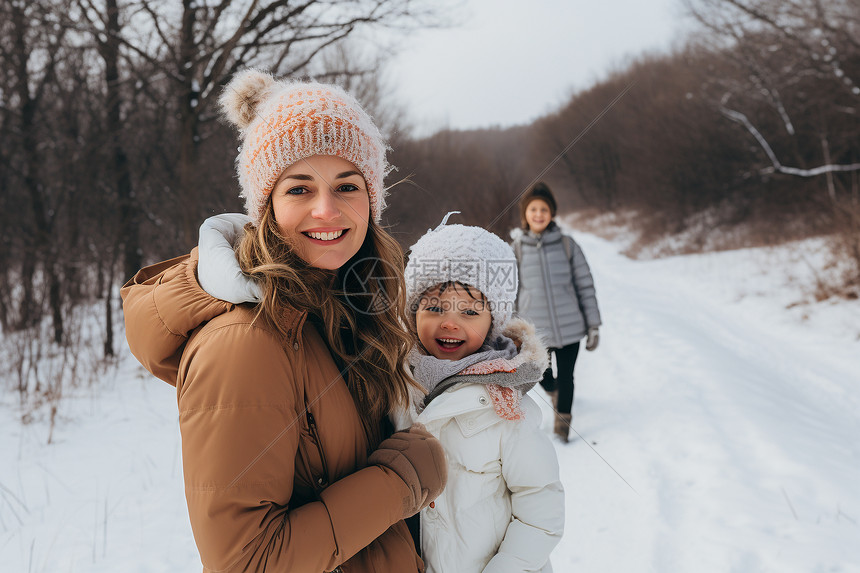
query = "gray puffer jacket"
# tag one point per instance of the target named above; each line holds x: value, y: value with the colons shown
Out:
x: 556, y: 291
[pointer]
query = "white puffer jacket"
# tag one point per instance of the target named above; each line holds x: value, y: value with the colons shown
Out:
x: 503, y: 507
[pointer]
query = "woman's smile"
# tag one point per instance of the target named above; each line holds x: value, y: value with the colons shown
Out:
x: 328, y: 237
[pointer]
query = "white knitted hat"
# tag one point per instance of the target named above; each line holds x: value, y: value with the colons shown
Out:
x: 281, y: 122
x: 470, y: 255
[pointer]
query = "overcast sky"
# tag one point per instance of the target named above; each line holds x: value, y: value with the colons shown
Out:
x: 506, y: 62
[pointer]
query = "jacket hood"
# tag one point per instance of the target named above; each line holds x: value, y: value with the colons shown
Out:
x: 552, y: 234
x: 531, y: 348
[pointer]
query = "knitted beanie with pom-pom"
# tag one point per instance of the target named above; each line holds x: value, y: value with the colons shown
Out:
x: 471, y: 256
x: 281, y: 122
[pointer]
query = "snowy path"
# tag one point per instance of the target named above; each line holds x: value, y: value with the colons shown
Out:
x: 740, y: 440
x: 737, y: 426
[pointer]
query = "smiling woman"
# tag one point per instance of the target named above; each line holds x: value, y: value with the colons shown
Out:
x: 289, y: 462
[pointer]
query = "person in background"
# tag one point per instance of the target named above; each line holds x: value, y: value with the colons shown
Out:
x: 288, y: 457
x: 556, y: 293
x: 503, y: 507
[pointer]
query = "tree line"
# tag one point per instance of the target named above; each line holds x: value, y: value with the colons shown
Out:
x: 753, y: 125
x: 112, y: 153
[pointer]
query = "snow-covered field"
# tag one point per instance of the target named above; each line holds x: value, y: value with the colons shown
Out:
x: 720, y: 432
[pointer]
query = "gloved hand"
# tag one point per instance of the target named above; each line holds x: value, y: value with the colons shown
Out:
x: 418, y: 459
x: 593, y: 338
x: 218, y: 269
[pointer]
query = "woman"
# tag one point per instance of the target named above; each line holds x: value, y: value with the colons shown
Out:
x: 556, y: 293
x: 282, y: 405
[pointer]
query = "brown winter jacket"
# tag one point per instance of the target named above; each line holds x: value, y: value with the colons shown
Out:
x: 273, y: 450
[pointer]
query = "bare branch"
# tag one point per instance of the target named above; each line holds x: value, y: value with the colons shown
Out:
x: 156, y: 23
x: 224, y: 52
x: 777, y: 167
x: 303, y: 63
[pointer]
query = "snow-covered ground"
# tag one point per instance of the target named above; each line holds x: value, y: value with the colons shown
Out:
x: 719, y: 426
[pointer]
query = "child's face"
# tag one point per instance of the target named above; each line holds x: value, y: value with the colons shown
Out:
x: 538, y: 215
x: 452, y: 324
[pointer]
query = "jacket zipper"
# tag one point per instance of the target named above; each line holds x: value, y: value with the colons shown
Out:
x: 550, y: 299
x: 312, y: 425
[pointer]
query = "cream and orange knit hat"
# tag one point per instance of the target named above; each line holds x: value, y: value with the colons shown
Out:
x: 281, y: 122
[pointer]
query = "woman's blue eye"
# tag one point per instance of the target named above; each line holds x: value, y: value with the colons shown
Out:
x: 296, y: 191
x: 347, y: 187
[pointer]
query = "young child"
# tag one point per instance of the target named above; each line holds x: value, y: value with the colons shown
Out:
x: 503, y: 507
x: 557, y: 294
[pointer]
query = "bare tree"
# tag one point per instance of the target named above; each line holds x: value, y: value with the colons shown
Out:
x: 196, y: 48
x: 795, y: 90
x: 32, y: 46
x: 795, y: 55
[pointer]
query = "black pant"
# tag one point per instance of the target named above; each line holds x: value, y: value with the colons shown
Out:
x: 565, y: 360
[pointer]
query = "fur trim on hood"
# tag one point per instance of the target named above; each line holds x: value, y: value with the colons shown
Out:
x: 531, y: 350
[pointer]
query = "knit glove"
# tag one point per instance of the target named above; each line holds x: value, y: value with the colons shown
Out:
x: 218, y: 269
x: 593, y: 338
x: 418, y: 459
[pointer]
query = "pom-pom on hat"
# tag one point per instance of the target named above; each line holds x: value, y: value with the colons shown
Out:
x: 541, y: 191
x: 469, y: 255
x: 281, y: 122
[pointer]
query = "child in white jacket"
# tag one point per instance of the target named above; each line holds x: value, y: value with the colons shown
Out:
x: 503, y: 507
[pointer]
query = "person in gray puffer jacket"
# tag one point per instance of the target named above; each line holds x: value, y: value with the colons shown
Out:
x: 556, y: 293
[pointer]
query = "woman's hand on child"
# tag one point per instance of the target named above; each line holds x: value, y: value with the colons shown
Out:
x: 593, y: 338
x: 419, y: 460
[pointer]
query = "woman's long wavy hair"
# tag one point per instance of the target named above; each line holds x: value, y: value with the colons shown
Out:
x: 360, y: 309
